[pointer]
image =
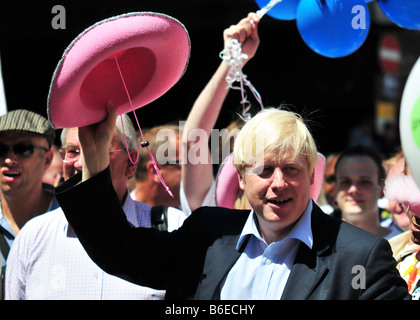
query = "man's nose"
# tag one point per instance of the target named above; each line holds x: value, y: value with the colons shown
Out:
x: 79, y: 162
x: 10, y: 158
x: 352, y: 188
x: 279, y: 180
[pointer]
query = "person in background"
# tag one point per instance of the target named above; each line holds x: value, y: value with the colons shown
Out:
x: 359, y: 185
x: 54, y: 174
x: 164, y: 145
x: 25, y: 154
x: 47, y: 260
x: 402, y: 189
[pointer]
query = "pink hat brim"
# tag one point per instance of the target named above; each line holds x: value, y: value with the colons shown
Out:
x: 227, y: 182
x: 152, y: 49
x: 319, y: 172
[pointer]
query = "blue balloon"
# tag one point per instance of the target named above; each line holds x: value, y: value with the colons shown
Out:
x: 333, y: 28
x: 405, y: 13
x: 284, y: 10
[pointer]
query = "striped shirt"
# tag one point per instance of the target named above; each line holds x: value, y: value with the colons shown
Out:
x: 47, y: 261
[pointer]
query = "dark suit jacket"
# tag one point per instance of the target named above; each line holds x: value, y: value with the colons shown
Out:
x: 192, y: 262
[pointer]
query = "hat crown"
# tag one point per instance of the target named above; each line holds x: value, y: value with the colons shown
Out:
x: 150, y: 49
x: 22, y: 120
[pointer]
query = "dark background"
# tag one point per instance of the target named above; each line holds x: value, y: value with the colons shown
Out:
x: 335, y: 94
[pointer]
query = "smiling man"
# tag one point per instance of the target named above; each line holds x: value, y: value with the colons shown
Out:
x: 25, y: 143
x: 47, y: 260
x: 359, y: 185
x: 284, y: 248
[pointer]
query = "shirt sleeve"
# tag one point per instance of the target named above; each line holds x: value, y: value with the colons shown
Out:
x: 15, y: 280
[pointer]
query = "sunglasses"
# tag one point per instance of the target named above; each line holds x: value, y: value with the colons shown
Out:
x: 23, y: 150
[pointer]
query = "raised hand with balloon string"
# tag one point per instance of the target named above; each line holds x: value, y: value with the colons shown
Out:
x: 246, y: 33
x: 197, y: 178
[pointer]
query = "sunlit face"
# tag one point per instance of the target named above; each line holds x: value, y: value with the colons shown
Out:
x: 120, y: 165
x: 70, y: 168
x: 278, y: 193
x: 19, y: 174
x: 54, y: 173
x: 357, y: 187
x: 414, y: 225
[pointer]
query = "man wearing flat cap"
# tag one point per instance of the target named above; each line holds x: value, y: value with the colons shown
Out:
x: 25, y: 153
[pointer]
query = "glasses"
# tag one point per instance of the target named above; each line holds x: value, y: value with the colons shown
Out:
x: 23, y: 150
x: 71, y: 154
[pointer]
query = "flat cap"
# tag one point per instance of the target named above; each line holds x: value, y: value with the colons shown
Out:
x: 27, y: 121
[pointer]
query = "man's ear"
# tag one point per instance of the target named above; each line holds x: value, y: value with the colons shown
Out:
x: 151, y: 172
x: 131, y: 167
x: 241, y: 182
x: 48, y: 158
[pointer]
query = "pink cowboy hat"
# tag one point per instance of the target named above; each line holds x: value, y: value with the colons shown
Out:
x: 227, y: 182
x: 137, y: 56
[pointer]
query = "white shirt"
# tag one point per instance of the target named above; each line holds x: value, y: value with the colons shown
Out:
x: 47, y: 261
x: 262, y: 270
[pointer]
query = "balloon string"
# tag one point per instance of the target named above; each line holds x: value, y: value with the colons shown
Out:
x: 232, y: 54
x: 267, y: 8
x: 144, y: 144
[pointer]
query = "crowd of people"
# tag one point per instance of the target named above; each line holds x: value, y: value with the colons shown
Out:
x: 82, y: 221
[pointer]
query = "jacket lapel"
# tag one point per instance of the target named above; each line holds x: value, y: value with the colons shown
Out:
x: 311, y: 265
x: 307, y: 272
x: 220, y: 258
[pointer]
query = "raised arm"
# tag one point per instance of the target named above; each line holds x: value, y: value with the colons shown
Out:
x: 94, y: 211
x: 96, y: 142
x: 197, y: 178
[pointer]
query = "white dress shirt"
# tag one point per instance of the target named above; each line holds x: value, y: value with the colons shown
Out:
x: 262, y: 270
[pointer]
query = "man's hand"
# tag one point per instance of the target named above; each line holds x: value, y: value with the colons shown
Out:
x: 95, y: 140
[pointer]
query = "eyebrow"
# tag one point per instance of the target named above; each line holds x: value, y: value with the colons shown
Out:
x: 350, y: 177
x: 69, y: 145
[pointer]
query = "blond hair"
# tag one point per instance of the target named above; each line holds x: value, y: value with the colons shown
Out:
x: 274, y: 131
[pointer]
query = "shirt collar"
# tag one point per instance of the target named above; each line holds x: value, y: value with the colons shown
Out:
x: 301, y: 231
x: 129, y: 208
